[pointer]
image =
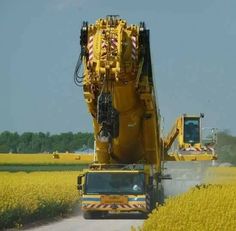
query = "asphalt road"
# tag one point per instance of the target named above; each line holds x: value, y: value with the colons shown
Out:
x: 78, y: 223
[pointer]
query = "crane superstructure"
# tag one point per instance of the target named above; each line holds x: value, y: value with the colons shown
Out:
x: 118, y: 88
x: 119, y: 92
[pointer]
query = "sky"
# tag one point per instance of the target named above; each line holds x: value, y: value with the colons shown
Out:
x: 193, y: 57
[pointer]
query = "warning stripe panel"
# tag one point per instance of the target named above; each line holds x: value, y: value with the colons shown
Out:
x: 90, y: 48
x: 198, y: 149
x: 148, y: 201
x: 134, y: 48
x: 122, y: 206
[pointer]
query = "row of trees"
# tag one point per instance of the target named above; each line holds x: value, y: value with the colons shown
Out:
x: 29, y: 142
x: 226, y: 147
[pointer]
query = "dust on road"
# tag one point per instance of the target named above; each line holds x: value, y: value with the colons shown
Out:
x: 78, y: 223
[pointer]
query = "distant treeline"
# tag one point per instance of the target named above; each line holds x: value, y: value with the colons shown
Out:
x: 226, y: 147
x: 30, y: 142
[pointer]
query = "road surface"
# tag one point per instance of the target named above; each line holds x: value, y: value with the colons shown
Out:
x: 78, y: 223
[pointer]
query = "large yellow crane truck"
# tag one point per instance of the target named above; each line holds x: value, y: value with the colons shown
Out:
x: 118, y: 86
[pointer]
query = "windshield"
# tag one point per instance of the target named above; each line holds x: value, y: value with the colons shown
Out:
x: 191, y: 130
x: 114, y: 183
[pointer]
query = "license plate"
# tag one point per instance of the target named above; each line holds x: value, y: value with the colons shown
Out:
x: 114, y: 199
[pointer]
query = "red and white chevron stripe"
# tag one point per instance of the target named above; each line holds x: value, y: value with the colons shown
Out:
x: 114, y: 43
x: 197, y: 149
x: 90, y: 48
x: 134, y: 47
x: 104, y: 45
x: 148, y: 202
x: 118, y: 206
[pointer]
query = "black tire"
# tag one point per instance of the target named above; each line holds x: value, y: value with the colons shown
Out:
x: 93, y: 215
x: 144, y: 215
x: 87, y: 215
x: 161, y: 195
x: 90, y: 215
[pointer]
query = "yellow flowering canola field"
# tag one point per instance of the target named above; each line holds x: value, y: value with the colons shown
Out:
x: 59, y: 158
x: 29, y: 196
x: 203, y: 208
x: 221, y: 175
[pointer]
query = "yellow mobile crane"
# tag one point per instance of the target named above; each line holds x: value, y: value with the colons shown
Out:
x: 118, y: 88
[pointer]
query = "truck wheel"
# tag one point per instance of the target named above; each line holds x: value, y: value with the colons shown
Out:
x: 93, y: 215
x: 144, y: 215
x: 88, y: 215
x: 161, y: 196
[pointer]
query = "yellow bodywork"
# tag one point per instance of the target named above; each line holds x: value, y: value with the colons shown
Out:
x: 114, y: 202
x: 122, y: 203
x: 114, y: 65
x: 119, y: 91
x: 183, y: 150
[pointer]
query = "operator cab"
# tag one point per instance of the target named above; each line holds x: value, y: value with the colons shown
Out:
x: 114, y: 183
x: 192, y: 130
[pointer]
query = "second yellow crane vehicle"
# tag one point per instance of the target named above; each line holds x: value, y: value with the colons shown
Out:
x: 118, y: 86
x: 188, y: 141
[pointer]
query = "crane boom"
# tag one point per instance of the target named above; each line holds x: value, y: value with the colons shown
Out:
x: 118, y: 87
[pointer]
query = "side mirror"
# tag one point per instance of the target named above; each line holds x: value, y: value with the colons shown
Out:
x: 79, y: 182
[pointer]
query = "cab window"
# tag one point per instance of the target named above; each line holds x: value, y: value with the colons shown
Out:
x: 192, y: 130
